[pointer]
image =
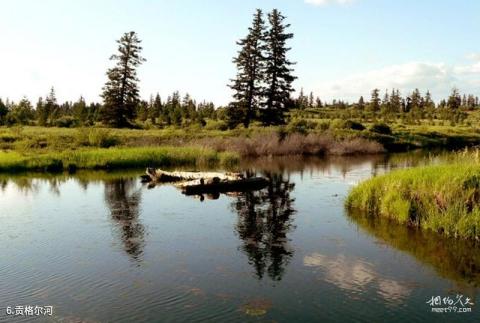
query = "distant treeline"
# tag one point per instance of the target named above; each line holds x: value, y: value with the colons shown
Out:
x: 262, y: 93
x: 393, y: 102
x: 175, y: 110
x: 183, y: 110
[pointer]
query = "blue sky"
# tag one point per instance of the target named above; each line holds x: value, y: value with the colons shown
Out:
x: 343, y: 48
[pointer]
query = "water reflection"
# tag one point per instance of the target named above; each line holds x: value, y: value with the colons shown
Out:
x: 123, y: 199
x: 450, y: 258
x: 356, y: 276
x: 264, y: 220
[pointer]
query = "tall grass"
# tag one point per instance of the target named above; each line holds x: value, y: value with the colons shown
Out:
x: 275, y: 144
x: 443, y: 198
x: 114, y: 158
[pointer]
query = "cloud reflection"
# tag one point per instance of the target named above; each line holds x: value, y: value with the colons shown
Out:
x: 357, y: 276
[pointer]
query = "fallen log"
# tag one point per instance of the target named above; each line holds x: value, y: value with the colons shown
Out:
x: 225, y: 186
x: 198, y: 183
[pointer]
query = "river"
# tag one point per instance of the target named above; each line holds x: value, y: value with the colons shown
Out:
x: 102, y: 247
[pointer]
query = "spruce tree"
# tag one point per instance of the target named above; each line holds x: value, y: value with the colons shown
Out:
x: 80, y: 112
x: 429, y: 104
x: 278, y: 72
x: 42, y: 113
x: 454, y: 100
x: 22, y: 112
x: 121, y: 93
x: 361, y: 104
x: 247, y: 85
x: 3, y: 112
x: 157, y: 107
x: 395, y: 101
x: 51, y: 107
x: 374, y: 104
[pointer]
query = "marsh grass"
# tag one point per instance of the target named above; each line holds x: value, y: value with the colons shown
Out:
x: 443, y: 198
x: 114, y: 158
x: 274, y: 144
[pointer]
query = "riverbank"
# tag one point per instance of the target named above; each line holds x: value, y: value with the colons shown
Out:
x: 40, y: 148
x: 442, y: 198
x: 114, y: 158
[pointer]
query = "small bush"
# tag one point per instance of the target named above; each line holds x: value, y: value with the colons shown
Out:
x: 354, y: 125
x: 381, y: 128
x: 96, y: 137
x: 65, y: 122
x: 39, y: 142
x: 323, y: 125
x: 7, y: 138
x: 347, y: 125
x: 216, y: 125
x: 301, y: 126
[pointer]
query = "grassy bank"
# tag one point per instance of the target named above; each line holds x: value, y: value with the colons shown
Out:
x: 442, y: 198
x: 40, y: 148
x: 114, y: 158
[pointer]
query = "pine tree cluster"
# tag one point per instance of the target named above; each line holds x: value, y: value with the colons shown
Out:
x: 263, y: 83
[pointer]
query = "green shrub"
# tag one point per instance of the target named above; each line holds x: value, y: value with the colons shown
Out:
x: 381, y: 128
x: 216, y: 125
x: 8, y: 138
x: 301, y: 126
x: 96, y: 137
x: 65, y: 122
x: 323, y: 125
x: 347, y: 125
x: 354, y: 125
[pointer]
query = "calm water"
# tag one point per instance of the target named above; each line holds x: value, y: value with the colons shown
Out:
x: 104, y: 248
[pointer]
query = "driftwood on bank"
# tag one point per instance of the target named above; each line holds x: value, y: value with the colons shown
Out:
x: 196, y: 183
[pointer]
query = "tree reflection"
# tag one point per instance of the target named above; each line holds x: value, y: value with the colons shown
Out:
x: 123, y: 200
x: 263, y: 224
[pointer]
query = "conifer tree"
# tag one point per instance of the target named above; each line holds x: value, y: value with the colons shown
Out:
x: 121, y: 93
x: 395, y: 101
x: 454, y: 100
x: 311, y: 100
x: 429, y: 104
x: 278, y: 72
x: 42, y: 113
x: 361, y: 104
x: 374, y: 104
x: 52, y: 106
x: 80, y: 111
x: 416, y: 99
x: 302, y: 100
x: 22, y: 112
x: 157, y: 108
x: 3, y: 112
x: 247, y: 85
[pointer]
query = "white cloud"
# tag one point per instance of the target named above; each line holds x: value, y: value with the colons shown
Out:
x: 474, y: 56
x: 439, y: 78
x: 327, y: 2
